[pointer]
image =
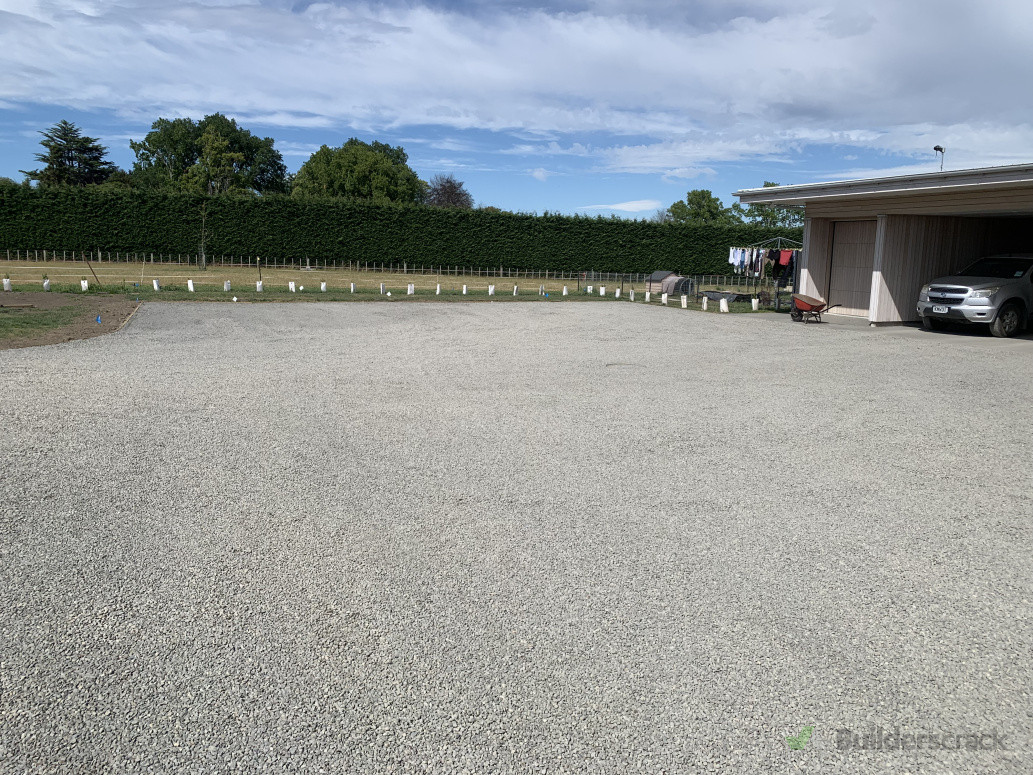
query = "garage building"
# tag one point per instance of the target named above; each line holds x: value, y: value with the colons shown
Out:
x: 870, y: 245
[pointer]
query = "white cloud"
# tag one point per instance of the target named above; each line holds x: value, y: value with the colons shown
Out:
x: 540, y: 173
x: 636, y: 206
x: 661, y: 87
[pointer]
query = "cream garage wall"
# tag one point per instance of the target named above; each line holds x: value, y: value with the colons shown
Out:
x: 853, y: 258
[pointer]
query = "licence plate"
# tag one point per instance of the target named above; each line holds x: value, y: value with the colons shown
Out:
x: 940, y: 310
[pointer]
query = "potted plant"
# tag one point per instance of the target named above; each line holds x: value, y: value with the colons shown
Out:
x: 46, y: 283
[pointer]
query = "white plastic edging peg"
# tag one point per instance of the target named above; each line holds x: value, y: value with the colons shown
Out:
x: 705, y: 300
x: 514, y: 290
x: 46, y: 285
x: 724, y: 305
x: 353, y: 287
x: 491, y: 290
x: 226, y: 286
x: 322, y: 287
x: 464, y: 290
x: 617, y: 293
x: 410, y: 289
x: 602, y: 290
x: 292, y: 287
x: 381, y: 289
x: 438, y: 291
x: 663, y: 299
x: 7, y: 283
x: 565, y: 292
x: 154, y: 282
x: 258, y: 286
x: 589, y: 289
x: 190, y: 285
x: 85, y: 284
x: 684, y: 301
x: 631, y: 294
x: 756, y: 304
x: 648, y: 294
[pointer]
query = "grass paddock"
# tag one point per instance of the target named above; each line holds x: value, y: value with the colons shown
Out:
x: 135, y: 280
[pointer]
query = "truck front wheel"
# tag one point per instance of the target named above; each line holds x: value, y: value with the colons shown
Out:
x: 1008, y: 321
x: 931, y: 324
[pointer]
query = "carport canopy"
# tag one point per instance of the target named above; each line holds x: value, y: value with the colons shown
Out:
x: 870, y: 244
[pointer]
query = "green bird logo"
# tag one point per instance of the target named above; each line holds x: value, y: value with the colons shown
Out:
x: 799, y: 742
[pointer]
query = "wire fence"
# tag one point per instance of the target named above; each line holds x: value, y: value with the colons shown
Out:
x: 764, y: 286
x: 209, y: 260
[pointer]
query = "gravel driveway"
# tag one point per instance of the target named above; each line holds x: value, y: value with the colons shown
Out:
x: 366, y: 538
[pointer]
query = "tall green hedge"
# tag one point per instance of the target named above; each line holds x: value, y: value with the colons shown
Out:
x: 285, y: 228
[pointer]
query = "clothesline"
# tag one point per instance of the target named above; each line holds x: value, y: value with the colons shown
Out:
x: 750, y: 260
x: 778, y: 243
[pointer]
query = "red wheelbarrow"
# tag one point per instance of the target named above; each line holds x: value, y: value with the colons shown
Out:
x: 807, y: 308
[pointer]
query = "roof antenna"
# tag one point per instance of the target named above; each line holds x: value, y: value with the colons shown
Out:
x: 940, y: 150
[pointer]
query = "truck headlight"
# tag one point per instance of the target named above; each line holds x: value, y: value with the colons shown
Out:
x: 985, y: 293
x: 923, y: 295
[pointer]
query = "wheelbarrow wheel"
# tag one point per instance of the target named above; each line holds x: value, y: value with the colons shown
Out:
x: 795, y: 314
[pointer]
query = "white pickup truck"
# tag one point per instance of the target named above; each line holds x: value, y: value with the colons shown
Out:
x: 996, y: 290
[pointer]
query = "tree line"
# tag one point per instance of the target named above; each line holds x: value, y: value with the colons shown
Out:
x: 700, y: 207
x: 216, y: 156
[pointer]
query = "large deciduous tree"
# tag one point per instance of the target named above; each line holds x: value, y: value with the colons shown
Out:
x: 774, y: 215
x: 70, y: 158
x: 447, y: 191
x: 168, y: 157
x: 360, y: 171
x: 702, y: 207
x: 217, y: 169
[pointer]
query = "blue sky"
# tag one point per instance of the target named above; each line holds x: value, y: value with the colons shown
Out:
x: 596, y: 106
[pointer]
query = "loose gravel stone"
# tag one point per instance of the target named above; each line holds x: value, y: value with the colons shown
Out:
x: 584, y: 538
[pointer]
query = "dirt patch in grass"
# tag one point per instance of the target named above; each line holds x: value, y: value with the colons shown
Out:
x: 29, y: 319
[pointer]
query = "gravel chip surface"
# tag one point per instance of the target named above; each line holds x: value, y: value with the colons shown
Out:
x: 600, y: 538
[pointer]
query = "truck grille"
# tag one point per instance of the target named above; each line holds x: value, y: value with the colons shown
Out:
x: 948, y: 295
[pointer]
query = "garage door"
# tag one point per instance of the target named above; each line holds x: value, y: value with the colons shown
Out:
x: 853, y: 257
